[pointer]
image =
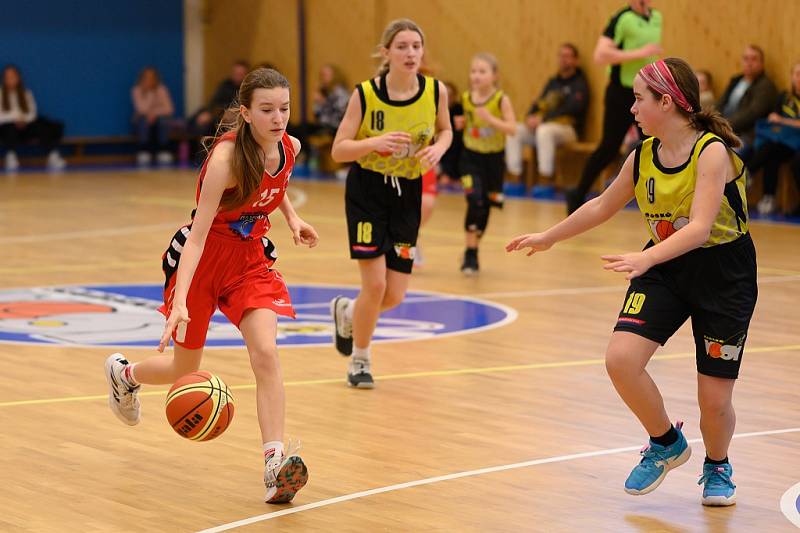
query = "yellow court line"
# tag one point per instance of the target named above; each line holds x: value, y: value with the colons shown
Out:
x: 412, y: 375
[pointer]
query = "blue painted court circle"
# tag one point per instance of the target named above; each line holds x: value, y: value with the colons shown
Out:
x: 125, y: 316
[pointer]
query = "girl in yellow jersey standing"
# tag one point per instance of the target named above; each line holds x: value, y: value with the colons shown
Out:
x: 395, y: 128
x: 488, y: 118
x: 700, y: 263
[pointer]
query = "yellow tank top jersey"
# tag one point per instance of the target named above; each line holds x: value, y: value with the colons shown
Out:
x: 380, y: 115
x: 665, y: 195
x: 478, y: 135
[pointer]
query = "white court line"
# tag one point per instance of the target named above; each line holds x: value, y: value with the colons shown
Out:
x: 435, y: 297
x: 458, y: 475
x: 789, y: 504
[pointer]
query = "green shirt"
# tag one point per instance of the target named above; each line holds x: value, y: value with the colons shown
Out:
x: 629, y: 30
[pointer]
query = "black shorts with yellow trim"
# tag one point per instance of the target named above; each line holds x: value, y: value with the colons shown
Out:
x: 715, y: 287
x: 383, y: 217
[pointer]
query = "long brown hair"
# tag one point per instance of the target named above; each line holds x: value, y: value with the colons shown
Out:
x: 391, y: 31
x: 701, y: 120
x: 247, y: 164
x: 22, y: 98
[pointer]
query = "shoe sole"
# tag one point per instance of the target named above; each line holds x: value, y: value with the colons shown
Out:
x: 719, y: 501
x: 469, y: 272
x: 361, y: 385
x: 343, y: 347
x: 678, y: 461
x: 292, y: 477
x: 111, y: 403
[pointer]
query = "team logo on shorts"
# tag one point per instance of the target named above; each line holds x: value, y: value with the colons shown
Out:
x: 727, y: 350
x: 126, y: 315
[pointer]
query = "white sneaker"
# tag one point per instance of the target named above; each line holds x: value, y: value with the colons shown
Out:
x: 12, y: 163
x: 766, y: 206
x: 342, y: 327
x: 121, y: 396
x: 164, y: 158
x: 284, y: 476
x: 55, y: 161
x: 143, y: 158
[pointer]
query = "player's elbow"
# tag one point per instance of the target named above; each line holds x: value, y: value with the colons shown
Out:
x: 336, y: 154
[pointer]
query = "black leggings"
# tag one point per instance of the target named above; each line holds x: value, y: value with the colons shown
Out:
x: 617, y: 119
x: 770, y: 157
x: 47, y: 132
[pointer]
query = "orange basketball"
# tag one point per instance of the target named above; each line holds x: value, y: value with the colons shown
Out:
x: 199, y: 406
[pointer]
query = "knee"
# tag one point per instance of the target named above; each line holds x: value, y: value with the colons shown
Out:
x: 264, y: 360
x: 374, y: 288
x: 618, y: 364
x: 713, y: 405
x: 392, y: 298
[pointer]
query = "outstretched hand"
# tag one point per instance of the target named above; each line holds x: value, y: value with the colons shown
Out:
x: 303, y: 233
x: 535, y: 241
x: 634, y: 264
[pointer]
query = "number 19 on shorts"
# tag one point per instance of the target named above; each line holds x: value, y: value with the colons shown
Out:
x: 364, y: 232
x: 634, y: 303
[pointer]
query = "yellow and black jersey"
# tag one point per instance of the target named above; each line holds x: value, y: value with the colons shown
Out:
x: 478, y: 135
x: 380, y: 114
x: 665, y: 195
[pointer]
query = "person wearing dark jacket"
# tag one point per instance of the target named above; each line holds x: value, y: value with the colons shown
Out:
x: 749, y: 96
x: 555, y: 117
x: 205, y: 121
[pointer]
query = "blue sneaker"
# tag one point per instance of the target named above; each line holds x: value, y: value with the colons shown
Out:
x: 718, y: 487
x: 656, y: 461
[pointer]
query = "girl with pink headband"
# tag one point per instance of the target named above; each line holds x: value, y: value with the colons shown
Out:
x: 699, y: 263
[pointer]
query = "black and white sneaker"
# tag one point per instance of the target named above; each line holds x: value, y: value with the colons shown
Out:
x: 469, y: 266
x: 342, y: 327
x: 359, y: 375
x: 121, y: 396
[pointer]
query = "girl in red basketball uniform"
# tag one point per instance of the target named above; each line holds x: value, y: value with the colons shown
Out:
x: 223, y: 258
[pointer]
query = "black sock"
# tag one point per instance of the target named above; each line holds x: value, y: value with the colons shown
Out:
x: 668, y: 438
x: 709, y: 461
x: 472, y: 252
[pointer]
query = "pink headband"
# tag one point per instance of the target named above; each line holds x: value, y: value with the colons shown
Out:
x: 658, y: 77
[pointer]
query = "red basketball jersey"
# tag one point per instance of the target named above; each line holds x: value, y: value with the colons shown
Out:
x: 251, y: 220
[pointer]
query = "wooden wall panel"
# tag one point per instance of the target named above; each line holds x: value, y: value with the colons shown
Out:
x: 523, y: 34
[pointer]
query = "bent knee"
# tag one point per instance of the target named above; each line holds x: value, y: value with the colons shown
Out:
x: 264, y: 359
x: 619, y: 363
x: 392, y: 299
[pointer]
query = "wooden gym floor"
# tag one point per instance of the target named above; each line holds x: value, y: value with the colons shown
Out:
x: 515, y: 428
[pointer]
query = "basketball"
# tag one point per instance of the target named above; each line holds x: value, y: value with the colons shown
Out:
x: 199, y: 406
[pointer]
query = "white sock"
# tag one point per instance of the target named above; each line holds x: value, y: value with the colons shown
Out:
x: 361, y: 353
x: 348, y: 311
x: 127, y: 375
x: 274, y: 447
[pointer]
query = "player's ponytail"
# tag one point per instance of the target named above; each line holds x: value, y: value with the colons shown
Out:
x: 394, y: 27
x: 247, y: 165
x: 711, y: 120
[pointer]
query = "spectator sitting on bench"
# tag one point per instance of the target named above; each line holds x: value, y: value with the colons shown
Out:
x: 749, y: 96
x: 152, y: 110
x: 778, y: 141
x: 330, y: 103
x: 205, y: 121
x: 554, y: 118
x: 707, y: 98
x: 19, y: 122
